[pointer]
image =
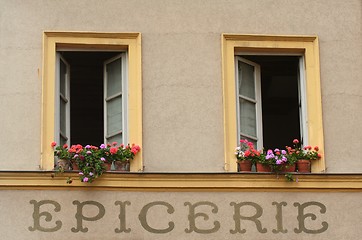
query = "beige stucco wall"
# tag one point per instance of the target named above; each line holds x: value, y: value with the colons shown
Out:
x: 181, y: 71
x: 178, y: 213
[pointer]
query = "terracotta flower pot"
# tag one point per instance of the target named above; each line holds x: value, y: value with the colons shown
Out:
x: 75, y: 166
x: 108, y: 166
x: 63, y: 164
x: 122, y: 166
x: 288, y: 168
x: 263, y: 168
x: 244, y: 166
x: 303, y: 166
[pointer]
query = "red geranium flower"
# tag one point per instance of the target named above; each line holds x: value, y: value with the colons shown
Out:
x: 113, y: 150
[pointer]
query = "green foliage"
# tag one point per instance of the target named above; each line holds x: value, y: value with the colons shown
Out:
x: 246, y: 151
x: 289, y: 177
x: 306, y: 152
x: 90, y: 160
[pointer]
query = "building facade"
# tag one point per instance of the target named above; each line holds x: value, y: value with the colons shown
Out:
x: 172, y: 77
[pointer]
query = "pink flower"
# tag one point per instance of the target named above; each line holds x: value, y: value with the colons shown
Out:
x: 113, y: 150
x: 75, y: 148
x: 316, y: 148
x: 295, y: 141
x: 53, y: 144
x: 135, y: 148
x: 65, y: 146
x: 114, y: 143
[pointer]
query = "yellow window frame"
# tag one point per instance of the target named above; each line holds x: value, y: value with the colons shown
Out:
x: 97, y: 41
x: 305, y: 45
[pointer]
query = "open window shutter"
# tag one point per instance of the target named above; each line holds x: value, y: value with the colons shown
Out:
x: 249, y: 101
x: 62, y: 101
x: 114, y: 100
x: 302, y: 102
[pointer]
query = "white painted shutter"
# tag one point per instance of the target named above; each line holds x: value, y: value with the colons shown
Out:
x: 114, y: 99
x: 62, y: 101
x: 302, y: 102
x: 248, y: 90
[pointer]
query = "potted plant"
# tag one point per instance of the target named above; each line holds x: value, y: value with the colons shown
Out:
x: 91, y: 161
x: 74, y: 150
x: 263, y: 164
x: 246, y: 155
x: 281, y: 160
x: 118, y: 157
x: 62, y: 157
x: 303, y: 155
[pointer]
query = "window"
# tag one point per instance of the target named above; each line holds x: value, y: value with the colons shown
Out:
x: 91, y: 90
x: 92, y: 96
x: 271, y: 92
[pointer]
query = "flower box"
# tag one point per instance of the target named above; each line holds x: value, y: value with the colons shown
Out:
x: 92, y: 161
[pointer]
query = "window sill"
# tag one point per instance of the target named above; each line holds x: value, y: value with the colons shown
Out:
x: 214, y: 182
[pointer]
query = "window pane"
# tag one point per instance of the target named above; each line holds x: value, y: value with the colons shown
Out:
x: 62, y: 77
x: 247, y: 117
x: 250, y: 140
x: 114, y: 77
x: 114, y: 115
x: 117, y: 138
x: 246, y: 80
x: 63, y: 116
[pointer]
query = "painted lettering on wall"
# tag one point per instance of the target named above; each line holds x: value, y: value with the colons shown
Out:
x: 195, y: 215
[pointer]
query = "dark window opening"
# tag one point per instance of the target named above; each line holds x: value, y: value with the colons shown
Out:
x: 86, y: 96
x: 280, y: 99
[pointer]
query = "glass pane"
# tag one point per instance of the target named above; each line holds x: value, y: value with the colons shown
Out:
x: 114, y: 115
x: 62, y: 77
x: 250, y: 140
x: 63, y: 116
x: 246, y: 80
x: 247, y: 117
x: 114, y: 77
x: 117, y: 138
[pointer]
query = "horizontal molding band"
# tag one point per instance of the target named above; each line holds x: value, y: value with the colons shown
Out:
x: 259, y: 37
x: 49, y: 180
